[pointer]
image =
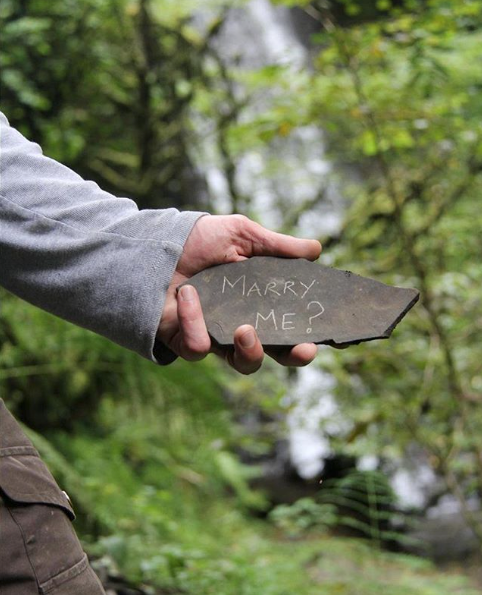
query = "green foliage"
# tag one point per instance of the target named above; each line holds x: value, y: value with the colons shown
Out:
x: 407, y: 86
x: 305, y: 514
x: 361, y: 502
x: 364, y: 501
x: 125, y: 122
x: 143, y: 451
x: 397, y: 97
x: 127, y: 92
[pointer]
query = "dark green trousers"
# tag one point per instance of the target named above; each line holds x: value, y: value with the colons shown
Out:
x: 39, y: 550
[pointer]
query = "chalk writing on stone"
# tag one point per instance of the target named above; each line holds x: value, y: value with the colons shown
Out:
x: 291, y: 301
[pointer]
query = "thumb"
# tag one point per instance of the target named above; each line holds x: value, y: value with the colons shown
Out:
x: 270, y: 243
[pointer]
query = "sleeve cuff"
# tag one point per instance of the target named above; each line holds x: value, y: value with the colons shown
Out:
x: 156, y: 350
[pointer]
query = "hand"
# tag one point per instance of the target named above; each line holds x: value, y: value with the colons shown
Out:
x: 218, y: 240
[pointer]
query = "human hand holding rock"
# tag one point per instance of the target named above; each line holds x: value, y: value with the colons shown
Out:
x: 218, y: 240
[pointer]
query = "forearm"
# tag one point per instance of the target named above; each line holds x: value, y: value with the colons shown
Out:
x: 81, y: 253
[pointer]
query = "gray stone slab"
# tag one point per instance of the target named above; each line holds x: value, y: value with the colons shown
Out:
x: 291, y: 301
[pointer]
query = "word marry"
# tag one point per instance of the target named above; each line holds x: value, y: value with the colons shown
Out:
x: 272, y: 287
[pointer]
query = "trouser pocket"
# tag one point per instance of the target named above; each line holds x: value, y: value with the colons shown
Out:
x: 40, y: 553
x: 39, y: 549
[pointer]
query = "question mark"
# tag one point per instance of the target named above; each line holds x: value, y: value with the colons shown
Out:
x: 309, y: 329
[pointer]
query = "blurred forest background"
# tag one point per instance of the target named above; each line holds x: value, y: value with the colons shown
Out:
x: 356, y: 122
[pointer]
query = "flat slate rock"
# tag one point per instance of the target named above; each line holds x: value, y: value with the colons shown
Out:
x: 291, y: 301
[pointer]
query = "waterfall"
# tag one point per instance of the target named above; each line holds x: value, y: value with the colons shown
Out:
x: 256, y: 35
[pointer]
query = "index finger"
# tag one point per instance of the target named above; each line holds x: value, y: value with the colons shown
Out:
x: 299, y: 355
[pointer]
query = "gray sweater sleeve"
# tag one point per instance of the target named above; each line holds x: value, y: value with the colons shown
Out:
x: 79, y: 252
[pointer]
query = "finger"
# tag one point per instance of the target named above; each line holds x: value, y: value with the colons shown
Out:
x: 341, y: 346
x: 299, y: 355
x: 248, y: 353
x: 269, y: 243
x: 194, y: 342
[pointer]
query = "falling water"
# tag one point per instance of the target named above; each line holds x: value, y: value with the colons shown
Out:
x: 257, y: 35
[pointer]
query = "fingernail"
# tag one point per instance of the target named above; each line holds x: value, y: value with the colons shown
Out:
x: 248, y: 339
x: 187, y: 293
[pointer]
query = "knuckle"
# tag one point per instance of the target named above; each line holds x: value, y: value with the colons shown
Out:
x: 240, y: 218
x: 189, y: 320
x: 242, y: 223
x: 198, y: 347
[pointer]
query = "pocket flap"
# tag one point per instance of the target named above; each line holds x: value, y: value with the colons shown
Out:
x: 24, y: 478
